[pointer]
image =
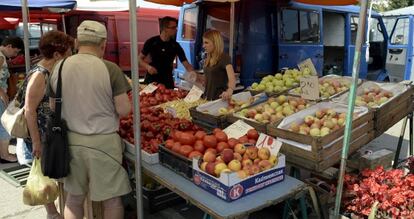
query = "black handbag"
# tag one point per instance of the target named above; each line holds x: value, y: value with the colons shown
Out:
x: 55, y: 154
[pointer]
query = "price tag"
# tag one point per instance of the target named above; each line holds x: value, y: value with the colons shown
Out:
x: 194, y: 94
x: 237, y: 129
x: 150, y: 88
x: 172, y: 111
x: 309, y: 87
x: 307, y: 63
x: 269, y: 142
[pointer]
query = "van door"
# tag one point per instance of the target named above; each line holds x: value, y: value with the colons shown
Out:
x: 399, y: 57
x: 186, y: 36
x: 353, y: 24
x: 300, y: 37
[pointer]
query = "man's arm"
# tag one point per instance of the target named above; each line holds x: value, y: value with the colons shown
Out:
x: 142, y: 63
x: 188, y: 66
x: 122, y: 104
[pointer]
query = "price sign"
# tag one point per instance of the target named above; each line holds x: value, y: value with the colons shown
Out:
x: 172, y: 111
x: 150, y: 88
x: 237, y: 129
x: 309, y: 87
x: 308, y: 64
x: 194, y: 94
x: 269, y: 142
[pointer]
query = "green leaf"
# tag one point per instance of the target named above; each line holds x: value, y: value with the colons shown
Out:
x: 374, y: 209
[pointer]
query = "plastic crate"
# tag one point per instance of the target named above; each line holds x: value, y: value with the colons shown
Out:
x: 176, y: 162
x: 158, y: 199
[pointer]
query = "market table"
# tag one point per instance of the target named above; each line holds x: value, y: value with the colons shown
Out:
x: 213, y: 206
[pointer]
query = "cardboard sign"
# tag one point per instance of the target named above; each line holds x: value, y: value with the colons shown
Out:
x: 309, y: 87
x: 237, y: 129
x: 307, y: 63
x: 194, y: 94
x: 269, y: 142
x: 172, y: 111
x: 150, y: 88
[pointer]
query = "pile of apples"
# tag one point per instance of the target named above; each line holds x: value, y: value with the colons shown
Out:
x: 281, y: 82
x: 323, y: 122
x: 329, y: 87
x: 373, y: 96
x: 196, y: 144
x: 235, y: 105
x: 275, y: 109
x: 244, y: 160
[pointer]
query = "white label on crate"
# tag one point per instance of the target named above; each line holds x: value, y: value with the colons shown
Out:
x: 308, y: 64
x: 269, y: 142
x: 237, y: 129
x: 150, y: 88
x: 172, y: 111
x: 194, y: 94
x: 309, y: 87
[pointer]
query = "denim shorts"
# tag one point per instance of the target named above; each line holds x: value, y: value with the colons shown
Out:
x: 3, y: 133
x: 24, y: 151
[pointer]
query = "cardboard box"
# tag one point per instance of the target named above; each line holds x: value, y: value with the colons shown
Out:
x: 146, y: 157
x: 230, y: 187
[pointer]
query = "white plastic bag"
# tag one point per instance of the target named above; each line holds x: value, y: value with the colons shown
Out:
x: 40, y: 189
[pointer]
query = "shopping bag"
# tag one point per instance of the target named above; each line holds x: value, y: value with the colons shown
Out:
x: 14, y: 121
x: 40, y: 189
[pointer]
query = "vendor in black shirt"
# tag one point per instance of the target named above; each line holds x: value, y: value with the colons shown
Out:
x: 161, y: 51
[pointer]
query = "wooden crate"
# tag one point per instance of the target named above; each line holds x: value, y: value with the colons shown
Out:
x: 322, y: 156
x: 393, y: 111
x: 260, y: 127
x: 208, y: 121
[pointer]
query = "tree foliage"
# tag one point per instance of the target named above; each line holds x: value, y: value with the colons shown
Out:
x: 391, y: 4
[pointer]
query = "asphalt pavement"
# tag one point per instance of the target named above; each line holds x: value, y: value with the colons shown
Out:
x: 12, y: 207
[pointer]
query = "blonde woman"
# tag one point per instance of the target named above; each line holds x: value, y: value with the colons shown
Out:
x: 218, y: 70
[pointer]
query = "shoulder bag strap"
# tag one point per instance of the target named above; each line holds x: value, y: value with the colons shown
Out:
x: 58, y: 97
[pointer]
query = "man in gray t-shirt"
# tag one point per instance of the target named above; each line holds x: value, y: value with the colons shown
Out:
x: 94, y: 96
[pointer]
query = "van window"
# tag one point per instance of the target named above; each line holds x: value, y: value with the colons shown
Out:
x: 375, y: 31
x: 218, y: 18
x: 190, y: 24
x: 299, y: 26
x: 400, y: 34
x: 354, y: 28
x: 389, y: 23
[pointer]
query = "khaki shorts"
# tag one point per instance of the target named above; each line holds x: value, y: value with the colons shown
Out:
x: 94, y: 171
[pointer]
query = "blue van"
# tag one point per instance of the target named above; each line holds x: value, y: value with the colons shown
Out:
x: 400, y: 28
x: 270, y: 35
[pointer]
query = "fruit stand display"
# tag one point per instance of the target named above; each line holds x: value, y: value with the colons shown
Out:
x: 180, y: 108
x: 391, y: 190
x: 330, y: 86
x: 280, y: 82
x: 312, y: 138
x: 214, y: 113
x: 270, y: 112
x: 391, y: 102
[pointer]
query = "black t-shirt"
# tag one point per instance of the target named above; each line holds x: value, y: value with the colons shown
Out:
x: 162, y: 57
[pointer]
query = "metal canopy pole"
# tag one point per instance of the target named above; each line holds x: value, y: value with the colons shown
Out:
x: 232, y: 13
x: 26, y: 35
x: 351, y: 102
x: 136, y: 108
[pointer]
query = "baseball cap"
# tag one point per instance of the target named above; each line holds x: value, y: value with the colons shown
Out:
x: 92, y: 28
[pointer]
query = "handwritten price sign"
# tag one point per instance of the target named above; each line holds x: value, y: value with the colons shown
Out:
x: 237, y: 129
x: 150, y: 88
x: 269, y: 142
x: 309, y: 87
x: 194, y: 94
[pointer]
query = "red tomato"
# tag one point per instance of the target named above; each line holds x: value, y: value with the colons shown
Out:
x: 252, y: 141
x: 221, y: 146
x: 169, y: 143
x: 194, y: 154
x: 210, y: 141
x: 221, y: 136
x: 253, y: 134
x: 176, y: 147
x: 186, y: 139
x: 199, y: 146
x: 185, y: 150
x: 200, y: 135
x: 216, y: 130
